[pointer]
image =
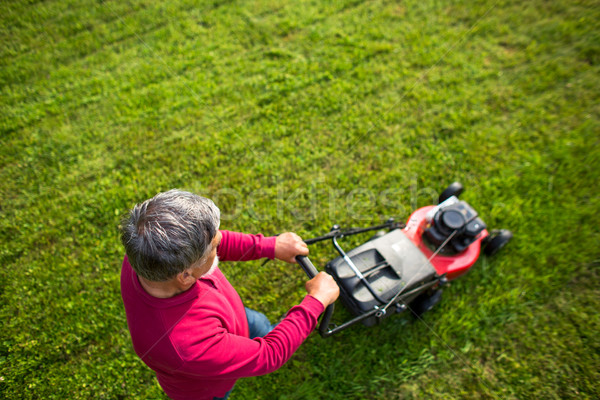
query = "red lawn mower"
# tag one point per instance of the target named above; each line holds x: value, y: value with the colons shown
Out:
x: 404, y: 266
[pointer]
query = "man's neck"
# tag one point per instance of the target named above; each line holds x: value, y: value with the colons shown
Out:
x: 162, y: 290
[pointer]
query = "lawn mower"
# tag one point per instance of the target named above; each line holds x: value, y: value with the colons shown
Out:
x: 405, y: 266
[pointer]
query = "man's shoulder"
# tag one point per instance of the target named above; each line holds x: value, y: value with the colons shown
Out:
x: 200, y: 326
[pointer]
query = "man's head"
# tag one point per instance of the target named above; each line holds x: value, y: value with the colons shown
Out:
x: 169, y: 233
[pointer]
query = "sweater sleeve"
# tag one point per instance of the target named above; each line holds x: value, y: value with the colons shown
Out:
x: 230, y: 356
x: 236, y: 246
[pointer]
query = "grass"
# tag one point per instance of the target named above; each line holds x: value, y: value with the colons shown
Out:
x: 295, y: 116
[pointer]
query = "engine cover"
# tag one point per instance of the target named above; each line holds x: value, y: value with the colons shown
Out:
x: 457, y: 218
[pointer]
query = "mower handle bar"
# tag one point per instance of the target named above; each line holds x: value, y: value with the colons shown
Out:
x: 324, y: 327
x: 336, y: 232
x: 311, y: 272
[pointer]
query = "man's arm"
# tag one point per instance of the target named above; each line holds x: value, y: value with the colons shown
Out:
x: 236, y: 246
x: 229, y: 356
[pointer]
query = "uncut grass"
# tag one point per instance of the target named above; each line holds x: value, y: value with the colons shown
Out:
x: 294, y: 106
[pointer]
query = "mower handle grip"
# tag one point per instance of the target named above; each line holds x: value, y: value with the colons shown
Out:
x: 307, y: 266
x: 311, y: 271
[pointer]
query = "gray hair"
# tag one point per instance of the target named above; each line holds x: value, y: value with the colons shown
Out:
x: 166, y: 234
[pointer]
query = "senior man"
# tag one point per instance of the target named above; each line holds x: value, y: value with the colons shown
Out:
x: 186, y: 321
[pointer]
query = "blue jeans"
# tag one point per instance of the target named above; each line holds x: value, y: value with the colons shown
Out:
x: 258, y: 322
x: 259, y: 326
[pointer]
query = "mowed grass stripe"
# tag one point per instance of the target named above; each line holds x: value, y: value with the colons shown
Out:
x: 122, y: 29
x: 105, y: 50
x: 35, y: 31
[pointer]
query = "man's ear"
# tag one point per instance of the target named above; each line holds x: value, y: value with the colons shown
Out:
x: 185, y: 278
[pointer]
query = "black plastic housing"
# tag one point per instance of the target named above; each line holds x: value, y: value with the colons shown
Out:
x: 389, y: 263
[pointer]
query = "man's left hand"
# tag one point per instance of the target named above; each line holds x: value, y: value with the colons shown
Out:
x: 289, y: 245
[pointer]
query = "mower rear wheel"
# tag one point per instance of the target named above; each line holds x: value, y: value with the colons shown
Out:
x: 497, y: 242
x: 454, y: 189
x: 425, y: 302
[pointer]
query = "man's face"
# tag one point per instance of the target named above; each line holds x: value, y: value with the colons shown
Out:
x: 203, y: 268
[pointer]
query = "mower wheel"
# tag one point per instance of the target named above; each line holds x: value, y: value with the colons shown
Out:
x: 455, y: 189
x: 425, y: 302
x: 497, y: 242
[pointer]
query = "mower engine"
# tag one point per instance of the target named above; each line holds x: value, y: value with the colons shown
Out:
x: 456, y: 221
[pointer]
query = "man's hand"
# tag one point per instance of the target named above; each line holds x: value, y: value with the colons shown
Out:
x: 323, y: 288
x: 289, y: 245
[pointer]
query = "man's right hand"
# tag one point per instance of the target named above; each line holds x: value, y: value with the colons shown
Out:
x: 323, y: 288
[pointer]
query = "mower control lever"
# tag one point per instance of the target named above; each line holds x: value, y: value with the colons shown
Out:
x: 336, y: 231
x: 311, y: 272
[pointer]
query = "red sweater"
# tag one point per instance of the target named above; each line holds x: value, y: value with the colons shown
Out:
x: 197, y: 342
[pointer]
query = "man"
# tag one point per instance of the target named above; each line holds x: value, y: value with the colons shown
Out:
x: 186, y: 321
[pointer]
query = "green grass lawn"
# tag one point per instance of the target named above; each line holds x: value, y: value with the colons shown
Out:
x: 295, y: 115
